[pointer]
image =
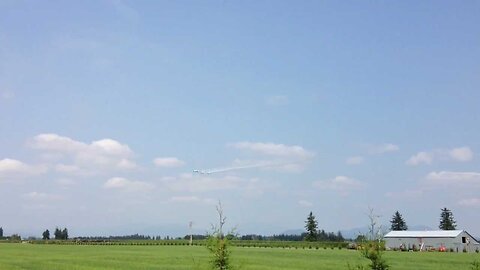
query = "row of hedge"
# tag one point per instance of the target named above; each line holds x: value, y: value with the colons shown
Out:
x: 237, y: 243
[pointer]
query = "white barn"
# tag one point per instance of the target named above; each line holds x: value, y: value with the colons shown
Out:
x: 458, y: 240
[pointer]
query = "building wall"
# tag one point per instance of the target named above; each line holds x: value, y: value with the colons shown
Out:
x: 448, y: 242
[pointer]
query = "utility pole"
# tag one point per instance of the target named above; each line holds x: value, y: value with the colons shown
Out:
x: 190, y: 225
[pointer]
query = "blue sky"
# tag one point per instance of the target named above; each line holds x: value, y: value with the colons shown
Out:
x: 106, y: 108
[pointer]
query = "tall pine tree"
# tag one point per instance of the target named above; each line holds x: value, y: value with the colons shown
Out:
x: 1, y: 232
x: 447, y: 222
x: 311, y: 225
x: 398, y: 223
x: 58, y: 234
x: 46, y: 235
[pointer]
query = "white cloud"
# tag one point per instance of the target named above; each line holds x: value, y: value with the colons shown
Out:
x: 383, y: 148
x: 460, y: 154
x: 454, y: 178
x: 278, y: 100
x: 407, y: 194
x: 11, y: 165
x: 305, y: 203
x: 341, y: 184
x: 288, y: 168
x: 182, y: 199
x: 6, y: 94
x: 168, y: 162
x: 39, y: 196
x: 195, y: 183
x: 126, y: 164
x: 55, y: 143
x: 65, y: 182
x: 472, y: 202
x: 275, y: 150
x: 191, y: 199
x: 355, y: 160
x: 199, y: 183
x: 271, y: 156
x: 124, y: 184
x: 62, y: 168
x: 16, y: 168
x: 125, y: 10
x: 111, y: 147
x: 87, y: 158
x: 419, y: 158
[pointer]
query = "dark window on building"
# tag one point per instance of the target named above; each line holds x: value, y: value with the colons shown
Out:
x: 464, y: 240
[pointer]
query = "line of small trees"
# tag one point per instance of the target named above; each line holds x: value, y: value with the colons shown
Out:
x: 59, y: 234
x: 120, y: 237
x: 13, y: 237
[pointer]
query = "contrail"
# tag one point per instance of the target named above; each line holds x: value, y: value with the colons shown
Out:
x: 233, y: 168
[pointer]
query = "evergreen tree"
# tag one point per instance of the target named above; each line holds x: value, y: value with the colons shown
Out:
x: 65, y: 234
x: 339, y: 236
x: 46, y: 235
x: 58, y: 234
x: 446, y: 220
x: 1, y: 232
x: 398, y: 223
x: 311, y: 226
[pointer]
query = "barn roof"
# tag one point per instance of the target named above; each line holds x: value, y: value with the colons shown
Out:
x: 423, y: 234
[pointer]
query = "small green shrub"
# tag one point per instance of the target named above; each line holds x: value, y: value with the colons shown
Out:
x: 475, y: 265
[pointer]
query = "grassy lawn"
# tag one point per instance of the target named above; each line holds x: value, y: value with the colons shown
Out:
x: 49, y: 257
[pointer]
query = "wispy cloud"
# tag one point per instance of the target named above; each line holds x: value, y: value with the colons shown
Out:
x: 471, y: 202
x: 192, y: 199
x: 459, y: 154
x: 275, y: 150
x: 40, y: 196
x: 433, y: 183
x: 341, y: 184
x: 194, y: 183
x: 279, y: 100
x: 272, y: 156
x: 305, y: 203
x: 6, y: 94
x: 420, y: 158
x: 12, y: 168
x: 200, y: 183
x: 120, y: 183
x: 411, y: 193
x: 356, y: 160
x: 383, y: 148
x: 65, y: 182
x: 168, y: 162
x: 125, y: 10
x: 454, y: 178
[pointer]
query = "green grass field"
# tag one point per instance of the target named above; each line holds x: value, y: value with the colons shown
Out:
x: 49, y: 257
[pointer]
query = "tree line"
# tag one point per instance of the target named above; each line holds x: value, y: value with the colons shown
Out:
x: 314, y: 234
x: 59, y: 234
x: 397, y: 223
x: 120, y: 237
